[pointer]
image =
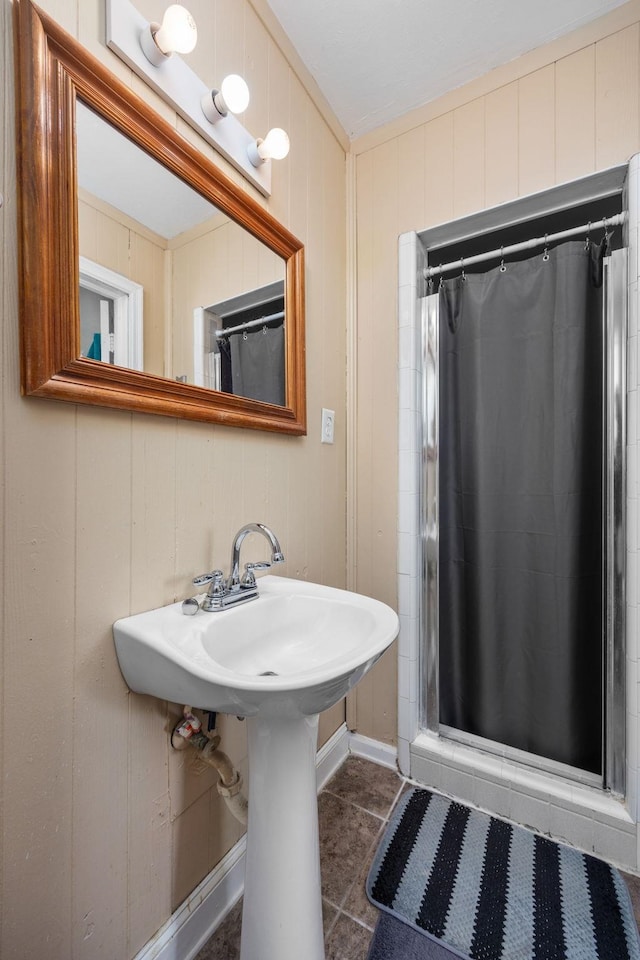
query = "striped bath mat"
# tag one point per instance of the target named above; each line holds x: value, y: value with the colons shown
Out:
x: 493, y: 891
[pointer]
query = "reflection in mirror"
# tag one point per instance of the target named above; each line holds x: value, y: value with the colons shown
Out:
x: 110, y: 316
x: 240, y: 344
x: 163, y: 275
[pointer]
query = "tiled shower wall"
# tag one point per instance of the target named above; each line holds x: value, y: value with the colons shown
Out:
x: 583, y: 816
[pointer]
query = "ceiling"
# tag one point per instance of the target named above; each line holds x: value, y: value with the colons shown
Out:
x: 375, y: 60
x: 116, y: 171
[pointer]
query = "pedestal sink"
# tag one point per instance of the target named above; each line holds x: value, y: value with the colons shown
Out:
x: 278, y: 661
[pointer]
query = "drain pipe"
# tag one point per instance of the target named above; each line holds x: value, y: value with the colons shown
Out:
x: 188, y: 732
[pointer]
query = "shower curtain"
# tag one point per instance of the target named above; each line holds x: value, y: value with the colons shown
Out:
x: 520, y: 505
x: 258, y: 364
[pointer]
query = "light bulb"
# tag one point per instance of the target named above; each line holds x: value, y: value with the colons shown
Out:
x: 235, y: 93
x: 233, y: 96
x: 275, y: 145
x: 178, y: 33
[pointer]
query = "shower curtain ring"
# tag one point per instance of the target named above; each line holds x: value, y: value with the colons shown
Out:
x: 545, y: 253
x: 587, y: 239
x: 463, y: 276
x: 503, y: 268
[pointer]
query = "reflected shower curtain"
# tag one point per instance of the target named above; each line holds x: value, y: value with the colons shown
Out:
x: 257, y: 364
x: 520, y: 505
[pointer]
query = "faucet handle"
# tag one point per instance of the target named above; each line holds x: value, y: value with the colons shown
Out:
x: 216, y: 577
x: 248, y: 577
x: 207, y: 577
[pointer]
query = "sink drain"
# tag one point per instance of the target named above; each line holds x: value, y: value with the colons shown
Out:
x: 268, y: 673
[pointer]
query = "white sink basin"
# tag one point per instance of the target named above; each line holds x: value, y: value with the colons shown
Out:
x: 295, y: 650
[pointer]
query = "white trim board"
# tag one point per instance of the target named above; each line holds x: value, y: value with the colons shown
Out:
x: 188, y: 929
x: 127, y: 297
x: 381, y: 753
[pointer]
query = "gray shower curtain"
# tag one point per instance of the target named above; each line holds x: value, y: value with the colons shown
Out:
x: 258, y: 364
x: 520, y: 506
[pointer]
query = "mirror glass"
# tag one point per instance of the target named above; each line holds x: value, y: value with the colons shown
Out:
x: 169, y: 284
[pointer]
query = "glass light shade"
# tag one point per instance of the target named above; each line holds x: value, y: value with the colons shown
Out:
x: 235, y: 93
x: 275, y: 145
x: 178, y: 32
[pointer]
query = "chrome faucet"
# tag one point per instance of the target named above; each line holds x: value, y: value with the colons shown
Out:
x: 277, y: 556
x: 237, y: 589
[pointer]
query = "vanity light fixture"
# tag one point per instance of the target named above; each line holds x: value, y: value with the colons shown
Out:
x: 275, y: 146
x: 232, y: 97
x: 176, y: 34
x: 146, y: 48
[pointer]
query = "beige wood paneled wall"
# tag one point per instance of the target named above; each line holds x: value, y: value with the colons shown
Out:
x: 559, y: 113
x: 104, y: 829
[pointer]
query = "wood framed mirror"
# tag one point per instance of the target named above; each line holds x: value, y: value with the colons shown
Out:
x: 59, y: 84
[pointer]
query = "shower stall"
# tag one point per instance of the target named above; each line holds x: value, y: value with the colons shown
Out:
x: 512, y: 517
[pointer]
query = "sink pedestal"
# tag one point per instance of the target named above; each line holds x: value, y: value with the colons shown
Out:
x: 282, y: 913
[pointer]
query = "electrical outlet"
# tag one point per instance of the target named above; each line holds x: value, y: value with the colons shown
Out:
x: 328, y: 420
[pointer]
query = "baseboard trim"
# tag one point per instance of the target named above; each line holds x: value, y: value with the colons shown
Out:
x: 381, y: 753
x: 188, y: 929
x: 331, y: 755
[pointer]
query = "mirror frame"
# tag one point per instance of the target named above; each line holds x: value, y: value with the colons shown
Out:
x: 52, y: 69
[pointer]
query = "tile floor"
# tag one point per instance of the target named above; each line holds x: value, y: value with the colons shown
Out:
x: 353, y: 810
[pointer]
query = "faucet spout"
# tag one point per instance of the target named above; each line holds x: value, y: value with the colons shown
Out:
x: 277, y: 555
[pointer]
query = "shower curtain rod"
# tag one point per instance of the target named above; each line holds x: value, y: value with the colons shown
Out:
x: 260, y: 322
x: 616, y: 220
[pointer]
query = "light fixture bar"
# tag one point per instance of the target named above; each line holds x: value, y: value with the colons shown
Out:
x: 180, y: 86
